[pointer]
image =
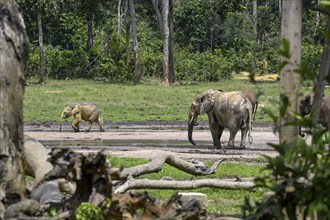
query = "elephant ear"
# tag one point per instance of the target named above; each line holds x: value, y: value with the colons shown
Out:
x: 207, y: 104
x: 75, y: 109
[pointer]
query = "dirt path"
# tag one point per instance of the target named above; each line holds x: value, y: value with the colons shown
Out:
x: 145, y: 140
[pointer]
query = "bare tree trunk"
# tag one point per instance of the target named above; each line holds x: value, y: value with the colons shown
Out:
x: 42, y: 66
x: 137, y: 65
x: 119, y: 17
x: 13, y: 64
x: 324, y: 73
x: 291, y: 31
x: 155, y: 4
x: 171, y: 44
x: 127, y: 28
x: 165, y: 43
x: 90, y: 38
x: 280, y: 7
x: 254, y: 14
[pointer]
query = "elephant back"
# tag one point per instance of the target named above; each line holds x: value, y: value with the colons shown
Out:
x: 235, y: 101
x: 88, y: 110
x: 231, y: 109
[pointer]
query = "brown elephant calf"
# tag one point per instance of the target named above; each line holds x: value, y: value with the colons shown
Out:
x: 85, y: 111
x: 305, y: 107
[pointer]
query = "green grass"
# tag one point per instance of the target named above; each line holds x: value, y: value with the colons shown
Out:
x: 151, y: 101
x: 221, y: 201
x: 127, y: 103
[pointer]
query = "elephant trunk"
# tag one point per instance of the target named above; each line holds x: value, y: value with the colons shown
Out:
x: 61, y: 124
x: 191, y: 124
x: 62, y: 117
x: 299, y: 132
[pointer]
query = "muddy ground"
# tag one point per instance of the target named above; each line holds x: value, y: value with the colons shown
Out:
x: 147, y: 139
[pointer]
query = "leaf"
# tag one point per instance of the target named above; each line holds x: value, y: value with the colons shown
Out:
x: 305, y: 73
x: 324, y: 3
x: 282, y: 65
x: 285, y: 49
x: 284, y: 104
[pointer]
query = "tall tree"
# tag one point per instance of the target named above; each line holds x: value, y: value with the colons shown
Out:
x: 254, y: 15
x: 137, y: 65
x: 289, y: 86
x: 42, y: 64
x: 165, y: 43
x: 13, y: 64
x: 127, y: 28
x: 94, y: 11
x: 171, y: 72
x: 156, y: 6
x: 165, y: 22
x: 119, y: 17
x: 323, y: 74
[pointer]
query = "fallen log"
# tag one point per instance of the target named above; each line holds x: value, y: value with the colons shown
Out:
x: 166, y: 157
x: 189, y: 184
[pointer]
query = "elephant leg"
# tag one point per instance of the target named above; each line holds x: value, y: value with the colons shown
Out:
x: 220, y: 130
x: 100, y: 123
x: 215, y: 131
x: 75, y: 125
x: 231, y: 138
x: 219, y: 138
x: 244, y: 132
x: 89, y: 126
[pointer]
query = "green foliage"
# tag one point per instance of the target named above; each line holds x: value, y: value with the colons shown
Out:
x: 88, y: 211
x: 299, y: 176
x: 63, y: 64
x: 212, y: 39
x: 311, y: 57
x: 205, y: 66
x: 285, y: 49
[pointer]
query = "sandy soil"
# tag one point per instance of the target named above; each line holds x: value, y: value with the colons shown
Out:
x: 148, y: 139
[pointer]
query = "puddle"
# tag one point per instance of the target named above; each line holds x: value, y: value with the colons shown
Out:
x: 122, y: 143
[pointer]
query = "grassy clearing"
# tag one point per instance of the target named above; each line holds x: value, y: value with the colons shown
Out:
x: 150, y: 101
x: 125, y: 102
x: 222, y: 202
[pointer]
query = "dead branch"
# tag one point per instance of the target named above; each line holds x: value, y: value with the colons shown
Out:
x: 125, y: 206
x: 321, y: 9
x: 166, y: 157
x: 188, y: 184
x: 93, y: 177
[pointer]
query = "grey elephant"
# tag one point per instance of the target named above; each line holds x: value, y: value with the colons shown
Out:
x: 230, y: 110
x: 84, y: 111
x: 253, y: 99
x: 305, y: 107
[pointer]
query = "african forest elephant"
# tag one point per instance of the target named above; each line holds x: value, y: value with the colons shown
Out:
x: 230, y: 110
x: 84, y: 111
x: 305, y: 107
x: 253, y: 99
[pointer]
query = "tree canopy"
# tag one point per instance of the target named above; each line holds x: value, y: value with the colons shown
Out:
x: 212, y: 39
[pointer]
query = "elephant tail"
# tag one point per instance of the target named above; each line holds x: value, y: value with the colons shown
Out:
x: 250, y: 125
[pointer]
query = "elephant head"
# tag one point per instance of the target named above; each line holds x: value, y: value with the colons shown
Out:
x: 68, y: 111
x: 305, y: 105
x: 200, y: 105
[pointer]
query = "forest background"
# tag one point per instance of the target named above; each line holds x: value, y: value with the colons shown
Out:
x: 213, y: 40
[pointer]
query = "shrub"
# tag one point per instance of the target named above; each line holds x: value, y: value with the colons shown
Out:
x: 88, y: 211
x: 206, y: 66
